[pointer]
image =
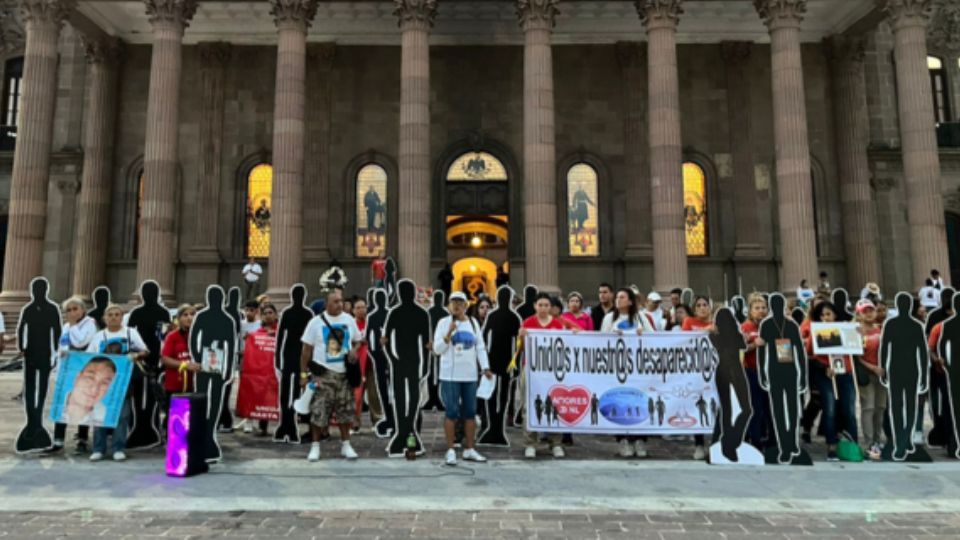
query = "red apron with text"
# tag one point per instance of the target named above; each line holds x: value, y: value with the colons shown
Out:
x: 257, y: 397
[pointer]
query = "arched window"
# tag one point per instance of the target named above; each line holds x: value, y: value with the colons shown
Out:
x: 371, y: 232
x: 582, y: 224
x: 259, y: 208
x: 938, y: 82
x: 695, y: 209
x: 477, y: 167
x: 10, y: 102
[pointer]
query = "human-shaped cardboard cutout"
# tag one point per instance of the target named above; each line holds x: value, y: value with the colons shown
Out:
x: 782, y: 369
x: 687, y: 297
x: 213, y: 344
x: 841, y: 299
x: 500, y: 330
x: 234, y: 310
x: 738, y: 305
x: 940, y: 433
x: 437, y: 311
x: 948, y: 348
x: 407, y: 330
x: 38, y: 336
x: 391, y: 275
x: 150, y: 319
x: 904, y: 357
x: 377, y: 353
x: 734, y: 392
x: 798, y: 315
x: 528, y: 308
x: 293, y: 322
x: 101, y: 299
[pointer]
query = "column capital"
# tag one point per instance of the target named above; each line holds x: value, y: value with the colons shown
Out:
x: 537, y: 13
x: 659, y: 13
x: 175, y: 12
x: 45, y: 11
x: 415, y: 12
x: 736, y: 52
x: 902, y: 13
x: 630, y: 54
x: 781, y: 13
x: 293, y: 13
x: 107, y: 50
x: 214, y: 53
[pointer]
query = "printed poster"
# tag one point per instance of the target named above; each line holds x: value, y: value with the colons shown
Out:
x: 90, y: 389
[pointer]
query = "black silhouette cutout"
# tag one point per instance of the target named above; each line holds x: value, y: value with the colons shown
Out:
x: 841, y: 300
x: 213, y: 334
x: 738, y: 304
x: 38, y: 336
x: 377, y: 353
x: 528, y: 308
x: 782, y: 367
x: 729, y: 430
x: 947, y: 348
x: 905, y: 358
x: 500, y: 330
x: 234, y: 303
x: 150, y: 319
x: 293, y: 321
x: 407, y: 330
x: 939, y: 402
x: 437, y: 312
x: 390, y: 280
x: 101, y: 299
x: 798, y: 315
x: 687, y: 297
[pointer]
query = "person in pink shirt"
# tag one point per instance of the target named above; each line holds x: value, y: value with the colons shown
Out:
x: 575, y: 313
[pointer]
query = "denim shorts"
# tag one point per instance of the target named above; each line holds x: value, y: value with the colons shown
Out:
x: 459, y: 399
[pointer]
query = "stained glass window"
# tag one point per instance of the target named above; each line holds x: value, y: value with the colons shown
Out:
x: 371, y: 235
x: 477, y: 167
x: 695, y: 209
x: 583, y: 237
x: 259, y: 208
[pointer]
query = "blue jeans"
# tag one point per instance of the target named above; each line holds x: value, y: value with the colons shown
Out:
x: 459, y: 399
x: 119, y: 433
x: 758, y: 434
x: 842, y: 403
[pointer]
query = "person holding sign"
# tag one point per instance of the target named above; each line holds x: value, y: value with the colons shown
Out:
x: 459, y: 342
x: 76, y: 335
x: 540, y: 320
x: 179, y: 368
x: 873, y: 396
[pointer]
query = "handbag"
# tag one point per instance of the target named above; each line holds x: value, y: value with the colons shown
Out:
x: 354, y: 377
x: 848, y: 450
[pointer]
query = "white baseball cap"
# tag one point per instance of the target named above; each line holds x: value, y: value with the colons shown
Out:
x: 458, y: 296
x: 654, y: 297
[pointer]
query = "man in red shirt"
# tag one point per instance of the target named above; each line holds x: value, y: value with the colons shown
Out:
x: 378, y: 268
x: 541, y: 320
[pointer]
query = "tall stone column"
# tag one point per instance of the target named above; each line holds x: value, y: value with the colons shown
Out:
x: 286, y: 235
x: 31, y: 158
x: 633, y: 69
x: 736, y: 56
x: 798, y: 242
x: 157, y: 256
x: 660, y: 18
x: 921, y: 161
x: 93, y: 204
x: 539, y: 150
x: 856, y: 195
x: 413, y: 249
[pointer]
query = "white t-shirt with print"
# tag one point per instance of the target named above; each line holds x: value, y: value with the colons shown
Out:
x: 128, y: 339
x: 459, y: 358
x: 251, y: 272
x: 327, y: 350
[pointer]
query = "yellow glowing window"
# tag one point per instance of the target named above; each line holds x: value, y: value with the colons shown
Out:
x: 934, y: 63
x: 583, y: 235
x: 371, y: 233
x: 695, y: 209
x: 259, y: 210
x: 477, y: 167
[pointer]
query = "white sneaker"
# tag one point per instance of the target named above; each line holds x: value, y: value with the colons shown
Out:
x: 699, y: 453
x: 530, y: 452
x: 119, y: 456
x: 247, y: 428
x: 918, y: 437
x: 347, y: 451
x: 451, y: 458
x: 314, y: 454
x: 625, y: 449
x: 558, y: 452
x: 470, y: 454
x: 640, y: 448
x: 96, y: 456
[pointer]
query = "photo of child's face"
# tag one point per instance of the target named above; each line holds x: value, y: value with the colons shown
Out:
x: 90, y: 386
x: 333, y: 345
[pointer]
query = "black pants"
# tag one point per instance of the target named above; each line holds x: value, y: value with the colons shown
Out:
x: 60, y: 432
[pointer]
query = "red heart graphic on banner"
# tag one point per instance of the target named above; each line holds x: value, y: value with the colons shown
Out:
x: 570, y: 403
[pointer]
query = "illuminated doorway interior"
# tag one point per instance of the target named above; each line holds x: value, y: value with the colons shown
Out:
x: 476, y: 246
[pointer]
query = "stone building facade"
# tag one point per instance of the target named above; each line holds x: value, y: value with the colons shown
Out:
x: 187, y: 99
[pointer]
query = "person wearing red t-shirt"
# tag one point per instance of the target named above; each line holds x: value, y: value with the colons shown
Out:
x: 701, y: 320
x: 175, y: 354
x: 378, y: 270
x: 873, y: 396
x: 760, y: 430
x: 575, y: 314
x: 541, y: 320
x: 369, y: 382
x: 836, y: 386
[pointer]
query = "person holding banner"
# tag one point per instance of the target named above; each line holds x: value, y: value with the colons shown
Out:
x: 575, y: 313
x: 540, y: 320
x: 77, y: 333
x: 702, y: 320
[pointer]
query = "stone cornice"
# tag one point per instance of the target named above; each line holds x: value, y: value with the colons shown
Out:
x: 905, y: 13
x: 295, y: 13
x: 654, y: 13
x: 780, y: 13
x: 45, y: 11
x: 537, y: 13
x: 420, y: 13
x: 102, y: 51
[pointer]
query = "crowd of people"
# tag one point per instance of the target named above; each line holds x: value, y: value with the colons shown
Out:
x: 337, y: 339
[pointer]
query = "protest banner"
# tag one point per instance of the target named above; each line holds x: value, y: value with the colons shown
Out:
x: 257, y: 397
x: 90, y: 389
x: 652, y: 384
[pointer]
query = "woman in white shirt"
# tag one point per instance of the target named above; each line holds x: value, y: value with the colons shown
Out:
x: 624, y: 317
x: 459, y: 343
x: 77, y: 332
